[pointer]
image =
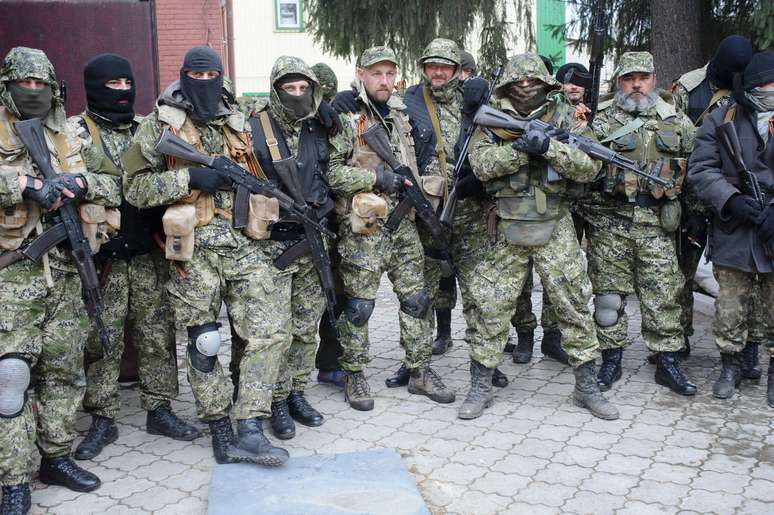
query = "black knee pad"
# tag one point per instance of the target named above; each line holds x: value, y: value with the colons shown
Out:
x: 14, y: 381
x: 203, y: 346
x: 416, y: 304
x: 358, y: 311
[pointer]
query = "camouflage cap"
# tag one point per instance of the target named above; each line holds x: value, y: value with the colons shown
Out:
x: 631, y: 62
x: 22, y: 62
x: 377, y: 54
x: 441, y: 51
x: 524, y: 66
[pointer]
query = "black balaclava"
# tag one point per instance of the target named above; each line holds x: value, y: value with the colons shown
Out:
x: 117, y: 105
x: 299, y: 106
x: 204, y: 95
x: 32, y: 103
x: 732, y: 56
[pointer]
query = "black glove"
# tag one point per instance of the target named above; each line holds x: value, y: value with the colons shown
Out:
x: 766, y: 228
x: 533, y: 142
x: 68, y: 180
x: 469, y: 186
x: 743, y: 208
x: 387, y: 181
x: 45, y: 196
x: 329, y: 118
x: 559, y: 135
x: 695, y: 228
x: 345, y: 102
x: 206, y: 179
x: 473, y: 94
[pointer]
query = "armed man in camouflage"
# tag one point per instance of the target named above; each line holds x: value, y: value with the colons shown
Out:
x: 370, y: 242
x: 213, y: 261
x: 43, y: 323
x: 134, y: 274
x: 533, y: 222
x: 632, y: 223
x: 291, y: 119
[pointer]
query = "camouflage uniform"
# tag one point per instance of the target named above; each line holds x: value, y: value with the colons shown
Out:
x: 134, y: 294
x: 524, y: 319
x: 43, y: 320
x: 326, y: 76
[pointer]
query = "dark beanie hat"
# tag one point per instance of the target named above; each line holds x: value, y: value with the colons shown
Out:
x: 467, y: 61
x: 760, y: 70
x: 732, y: 55
x: 561, y: 73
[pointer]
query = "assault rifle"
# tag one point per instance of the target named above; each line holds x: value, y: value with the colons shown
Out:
x: 489, y: 117
x: 376, y: 138
x: 450, y: 206
x: 67, y: 227
x: 591, y: 80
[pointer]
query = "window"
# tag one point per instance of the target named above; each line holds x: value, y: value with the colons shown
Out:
x: 289, y: 15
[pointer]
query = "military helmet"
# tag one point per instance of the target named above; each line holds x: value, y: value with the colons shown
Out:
x: 441, y: 51
x: 524, y: 66
x: 631, y: 62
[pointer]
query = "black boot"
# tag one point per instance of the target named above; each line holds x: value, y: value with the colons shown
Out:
x: 480, y: 394
x: 499, y: 379
x: 399, y: 378
x: 64, y: 472
x: 523, y: 351
x: 102, y: 432
x: 730, y: 375
x: 16, y: 500
x: 443, y: 340
x: 587, y: 394
x: 610, y: 369
x: 222, y: 437
x: 281, y: 424
x: 668, y: 374
x: 770, y: 385
x: 509, y: 345
x: 685, y: 352
x: 163, y: 421
x: 302, y: 412
x: 551, y: 346
x: 750, y: 364
x: 252, y: 446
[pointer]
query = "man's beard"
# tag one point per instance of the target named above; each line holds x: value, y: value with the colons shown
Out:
x: 635, y: 102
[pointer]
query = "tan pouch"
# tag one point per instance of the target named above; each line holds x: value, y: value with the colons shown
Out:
x: 14, y: 217
x: 435, y: 188
x: 179, y: 221
x: 16, y: 223
x: 205, y: 209
x: 367, y: 208
x: 93, y: 221
x: 264, y: 211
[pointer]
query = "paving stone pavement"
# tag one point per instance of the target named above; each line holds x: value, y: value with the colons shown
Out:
x: 532, y: 452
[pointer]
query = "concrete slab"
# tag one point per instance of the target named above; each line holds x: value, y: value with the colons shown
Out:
x: 369, y: 482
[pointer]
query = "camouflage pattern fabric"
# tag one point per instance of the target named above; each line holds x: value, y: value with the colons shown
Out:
x: 631, y: 62
x: 377, y: 54
x: 446, y: 297
x: 444, y: 51
x: 441, y: 51
x: 524, y: 319
x: 736, y: 321
x: 326, y: 76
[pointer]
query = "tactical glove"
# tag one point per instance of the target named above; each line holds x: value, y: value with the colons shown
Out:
x: 329, y: 118
x: 68, y: 180
x: 534, y: 142
x: 346, y: 102
x: 387, y: 181
x: 766, y: 228
x: 743, y: 208
x: 473, y: 95
x: 206, y: 179
x: 695, y: 228
x: 46, y: 196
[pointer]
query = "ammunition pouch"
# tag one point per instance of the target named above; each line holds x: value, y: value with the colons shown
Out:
x: 179, y: 222
x: 99, y: 224
x: 434, y: 187
x: 263, y: 212
x: 529, y: 220
x: 669, y: 215
x: 16, y: 223
x: 367, y: 208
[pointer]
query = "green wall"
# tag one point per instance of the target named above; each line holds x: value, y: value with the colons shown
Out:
x: 550, y: 12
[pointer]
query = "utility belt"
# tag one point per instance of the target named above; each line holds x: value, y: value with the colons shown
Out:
x: 123, y: 249
x: 286, y: 231
x: 641, y: 200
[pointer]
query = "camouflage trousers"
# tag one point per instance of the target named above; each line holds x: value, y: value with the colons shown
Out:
x: 524, y: 319
x: 446, y: 298
x: 302, y: 286
x: 498, y: 280
x: 134, y: 299
x: 46, y: 327
x: 246, y: 280
x: 363, y: 260
x: 639, y: 260
x: 743, y: 309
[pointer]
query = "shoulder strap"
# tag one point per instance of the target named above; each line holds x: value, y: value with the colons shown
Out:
x: 714, y: 100
x: 275, y: 145
x: 62, y: 150
x: 437, y: 129
x: 630, y: 127
x: 730, y: 114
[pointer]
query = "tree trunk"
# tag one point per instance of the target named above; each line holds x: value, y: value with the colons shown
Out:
x: 675, y: 40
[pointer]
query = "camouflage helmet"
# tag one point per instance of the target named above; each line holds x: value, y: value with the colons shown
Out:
x: 521, y: 67
x: 441, y: 51
x: 631, y: 62
x: 377, y: 54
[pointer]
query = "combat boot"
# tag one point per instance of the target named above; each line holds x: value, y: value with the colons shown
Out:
x: 252, y: 446
x: 282, y: 425
x: 163, y: 421
x: 302, y: 412
x: 443, y: 340
x: 16, y: 500
x: 551, y: 346
x: 523, y: 351
x: 509, y: 345
x: 399, y: 378
x: 63, y: 471
x: 770, y: 385
x: 730, y: 375
x: 750, y: 364
x: 222, y: 437
x: 685, y: 352
x: 426, y: 382
x: 480, y: 395
x: 499, y: 379
x: 357, y: 392
x: 668, y: 374
x: 588, y: 395
x: 610, y: 369
x: 102, y: 432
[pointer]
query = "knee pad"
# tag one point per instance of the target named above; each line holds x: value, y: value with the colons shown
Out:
x: 14, y: 381
x: 358, y: 311
x: 204, y: 345
x: 608, y: 309
x: 416, y: 304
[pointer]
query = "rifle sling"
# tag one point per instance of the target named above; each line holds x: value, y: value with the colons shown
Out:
x: 271, y: 140
x: 292, y: 253
x: 439, y: 144
x: 398, y: 214
x: 714, y: 100
x: 628, y: 128
x: 10, y: 258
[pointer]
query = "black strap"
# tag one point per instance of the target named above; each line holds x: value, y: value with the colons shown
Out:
x: 398, y: 214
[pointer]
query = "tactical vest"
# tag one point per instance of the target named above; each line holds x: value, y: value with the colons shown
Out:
x: 423, y: 134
